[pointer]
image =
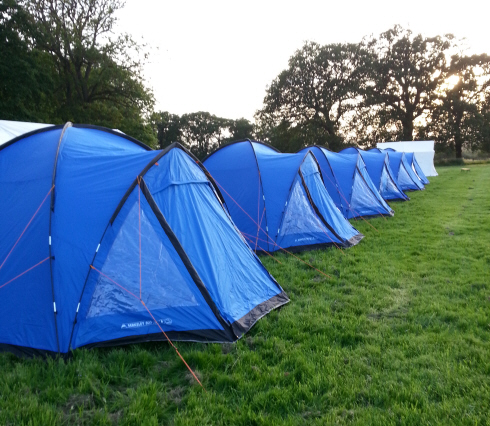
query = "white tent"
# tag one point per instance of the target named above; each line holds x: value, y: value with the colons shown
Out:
x: 12, y: 129
x: 423, y: 150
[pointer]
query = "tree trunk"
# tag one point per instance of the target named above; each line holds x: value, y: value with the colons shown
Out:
x: 459, y: 149
x: 458, y: 138
x: 408, y: 129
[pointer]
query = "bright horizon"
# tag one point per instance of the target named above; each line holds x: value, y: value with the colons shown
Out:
x: 219, y: 56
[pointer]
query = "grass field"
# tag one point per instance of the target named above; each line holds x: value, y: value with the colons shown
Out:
x: 400, y: 334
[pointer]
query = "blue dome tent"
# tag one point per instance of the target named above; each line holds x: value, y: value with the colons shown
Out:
x: 278, y: 200
x: 405, y: 176
x: 348, y: 183
x: 106, y: 242
x: 378, y: 167
x: 412, y: 161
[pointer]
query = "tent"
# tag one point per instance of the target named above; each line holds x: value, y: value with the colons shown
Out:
x: 106, y: 242
x: 405, y: 176
x: 378, y: 167
x: 349, y: 184
x: 278, y: 200
x: 12, y: 129
x: 412, y: 161
x: 423, y: 150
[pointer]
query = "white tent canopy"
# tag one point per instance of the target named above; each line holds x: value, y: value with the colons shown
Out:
x: 423, y: 150
x: 12, y: 129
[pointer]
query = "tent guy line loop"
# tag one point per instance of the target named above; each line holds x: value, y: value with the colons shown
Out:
x: 155, y: 321
x: 32, y: 218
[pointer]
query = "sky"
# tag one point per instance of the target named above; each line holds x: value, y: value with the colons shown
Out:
x: 220, y: 56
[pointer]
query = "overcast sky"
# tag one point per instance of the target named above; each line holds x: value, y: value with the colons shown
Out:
x: 219, y: 56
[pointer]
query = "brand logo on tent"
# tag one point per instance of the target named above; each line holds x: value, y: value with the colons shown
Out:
x: 138, y: 324
x: 297, y: 240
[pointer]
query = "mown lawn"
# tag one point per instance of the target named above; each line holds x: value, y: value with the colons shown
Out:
x: 400, y: 334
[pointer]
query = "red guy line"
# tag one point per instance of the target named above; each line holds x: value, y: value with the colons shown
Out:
x: 32, y: 218
x: 156, y: 322
x: 25, y: 272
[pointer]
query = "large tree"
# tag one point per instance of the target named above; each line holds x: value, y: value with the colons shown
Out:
x: 202, y: 132
x: 240, y: 129
x: 27, y: 75
x: 166, y: 127
x: 459, y: 117
x: 314, y: 94
x: 101, y: 75
x: 406, y: 73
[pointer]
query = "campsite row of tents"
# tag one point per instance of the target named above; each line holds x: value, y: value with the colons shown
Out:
x: 107, y: 242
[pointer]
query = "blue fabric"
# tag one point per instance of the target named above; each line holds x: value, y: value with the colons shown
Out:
x: 373, y: 191
x: 388, y: 184
x: 236, y: 167
x: 406, y: 179
x: 349, y: 184
x: 411, y: 172
x: 205, y: 231
x: 324, y: 202
x: 278, y: 172
x: 378, y: 166
x: 236, y: 174
x: 109, y: 312
x: 89, y: 186
x: 26, y: 304
x: 95, y: 168
x: 412, y: 161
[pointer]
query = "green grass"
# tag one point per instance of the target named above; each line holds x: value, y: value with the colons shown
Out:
x: 400, y: 334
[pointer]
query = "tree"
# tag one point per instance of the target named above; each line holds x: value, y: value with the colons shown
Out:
x: 27, y: 76
x: 405, y: 75
x: 101, y: 77
x: 485, y: 113
x: 202, y: 132
x: 320, y: 86
x: 166, y: 126
x: 459, y: 118
x: 240, y: 129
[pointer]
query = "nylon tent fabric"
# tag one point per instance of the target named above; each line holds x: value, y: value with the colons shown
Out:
x: 412, y: 161
x: 407, y: 178
x: 75, y: 223
x: 11, y: 129
x: 379, y: 170
x: 423, y: 150
x: 349, y: 184
x: 278, y: 201
x: 400, y: 168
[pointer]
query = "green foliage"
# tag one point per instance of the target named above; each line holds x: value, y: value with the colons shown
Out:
x: 459, y: 120
x: 313, y: 94
x: 405, y: 76
x: 240, y: 129
x: 399, y: 334
x: 167, y: 128
x: 201, y: 132
x: 59, y: 63
x: 27, y: 76
x: 395, y: 86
